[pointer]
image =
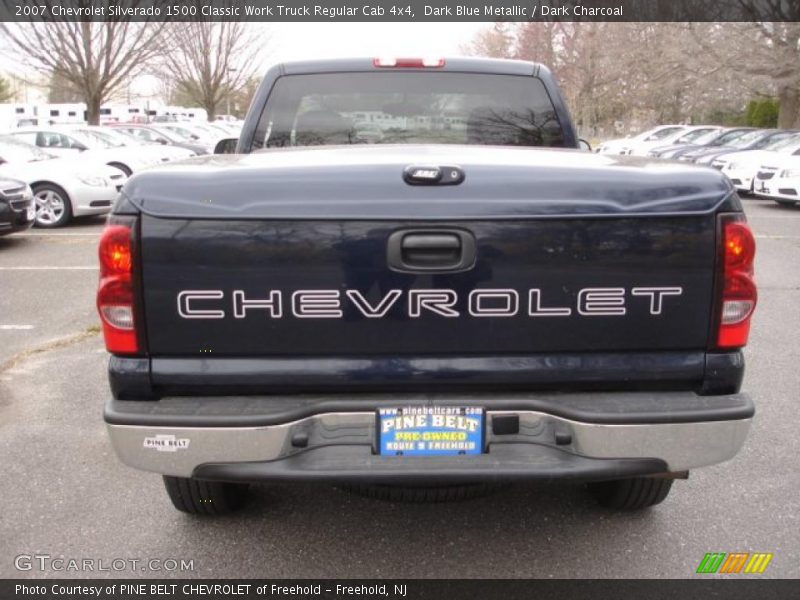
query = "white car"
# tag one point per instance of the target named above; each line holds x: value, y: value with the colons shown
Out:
x: 74, y: 140
x: 780, y: 180
x: 152, y: 132
x: 152, y: 153
x: 63, y: 188
x: 625, y: 145
x: 686, y: 135
x: 742, y: 167
x: 162, y: 152
x: 196, y: 132
x: 233, y: 128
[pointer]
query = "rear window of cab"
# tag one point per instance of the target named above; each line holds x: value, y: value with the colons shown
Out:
x: 408, y: 108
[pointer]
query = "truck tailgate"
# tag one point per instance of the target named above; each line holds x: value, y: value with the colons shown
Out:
x: 536, y: 286
x: 602, y: 256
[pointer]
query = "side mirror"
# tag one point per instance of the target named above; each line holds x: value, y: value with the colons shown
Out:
x: 226, y: 146
x: 584, y: 145
x: 162, y: 141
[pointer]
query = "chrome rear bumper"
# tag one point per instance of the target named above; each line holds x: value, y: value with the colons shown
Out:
x: 345, y: 442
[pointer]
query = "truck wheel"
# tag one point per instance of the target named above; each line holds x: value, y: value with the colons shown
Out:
x: 631, y: 494
x: 198, y: 497
x: 420, y: 494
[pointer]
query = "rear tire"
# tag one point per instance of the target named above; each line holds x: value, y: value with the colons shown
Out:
x: 422, y: 494
x: 198, y: 497
x: 631, y: 494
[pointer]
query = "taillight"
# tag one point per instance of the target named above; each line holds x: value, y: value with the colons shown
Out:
x: 115, y: 298
x: 738, y: 290
x: 408, y: 63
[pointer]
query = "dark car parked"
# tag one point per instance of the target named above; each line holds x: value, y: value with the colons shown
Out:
x: 755, y: 140
x: 710, y: 140
x: 17, y: 211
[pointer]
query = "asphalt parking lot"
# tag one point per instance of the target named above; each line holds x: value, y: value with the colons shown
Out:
x: 66, y: 495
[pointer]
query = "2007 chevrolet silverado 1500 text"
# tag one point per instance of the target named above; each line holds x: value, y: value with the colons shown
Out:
x: 409, y: 280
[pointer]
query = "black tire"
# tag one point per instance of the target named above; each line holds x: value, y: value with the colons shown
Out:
x: 198, y: 497
x: 786, y: 202
x: 48, y: 196
x: 124, y: 168
x: 422, y: 494
x: 631, y: 494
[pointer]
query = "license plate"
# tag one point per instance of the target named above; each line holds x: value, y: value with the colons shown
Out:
x: 430, y: 431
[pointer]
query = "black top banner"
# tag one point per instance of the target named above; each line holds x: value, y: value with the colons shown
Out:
x: 400, y: 10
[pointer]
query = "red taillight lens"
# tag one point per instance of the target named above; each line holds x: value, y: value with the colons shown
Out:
x: 115, y: 299
x: 115, y: 250
x: 740, y: 247
x: 739, y: 295
x: 408, y: 63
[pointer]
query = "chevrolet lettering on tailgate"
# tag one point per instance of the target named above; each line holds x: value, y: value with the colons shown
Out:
x: 210, y: 304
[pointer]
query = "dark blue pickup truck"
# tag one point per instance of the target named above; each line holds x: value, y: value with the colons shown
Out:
x: 410, y: 280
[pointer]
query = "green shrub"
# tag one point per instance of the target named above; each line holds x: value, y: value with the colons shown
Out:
x: 763, y: 114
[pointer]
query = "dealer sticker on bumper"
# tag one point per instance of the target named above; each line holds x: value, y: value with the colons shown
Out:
x: 430, y: 430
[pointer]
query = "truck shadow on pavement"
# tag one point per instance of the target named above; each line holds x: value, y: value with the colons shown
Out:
x: 522, y: 530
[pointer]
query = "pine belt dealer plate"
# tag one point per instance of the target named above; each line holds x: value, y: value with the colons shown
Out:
x: 430, y: 431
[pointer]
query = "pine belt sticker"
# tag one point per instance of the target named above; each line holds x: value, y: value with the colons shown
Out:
x: 166, y: 443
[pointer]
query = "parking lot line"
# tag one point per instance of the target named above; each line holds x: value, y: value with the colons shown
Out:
x: 15, y: 327
x: 61, y: 234
x: 781, y: 217
x: 48, y: 268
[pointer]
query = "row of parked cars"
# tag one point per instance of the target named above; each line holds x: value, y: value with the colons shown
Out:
x: 764, y: 162
x: 50, y: 174
x: 53, y: 173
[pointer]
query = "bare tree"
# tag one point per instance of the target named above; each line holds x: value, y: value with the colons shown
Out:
x: 95, y: 58
x: 586, y: 58
x: 61, y: 90
x: 497, y: 42
x: 636, y: 72
x: 761, y: 53
x: 210, y: 60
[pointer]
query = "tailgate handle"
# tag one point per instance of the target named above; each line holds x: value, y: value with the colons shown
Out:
x: 431, y: 250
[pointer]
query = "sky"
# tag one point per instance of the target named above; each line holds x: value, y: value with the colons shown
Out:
x: 299, y: 41
x: 302, y: 41
x: 293, y: 41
